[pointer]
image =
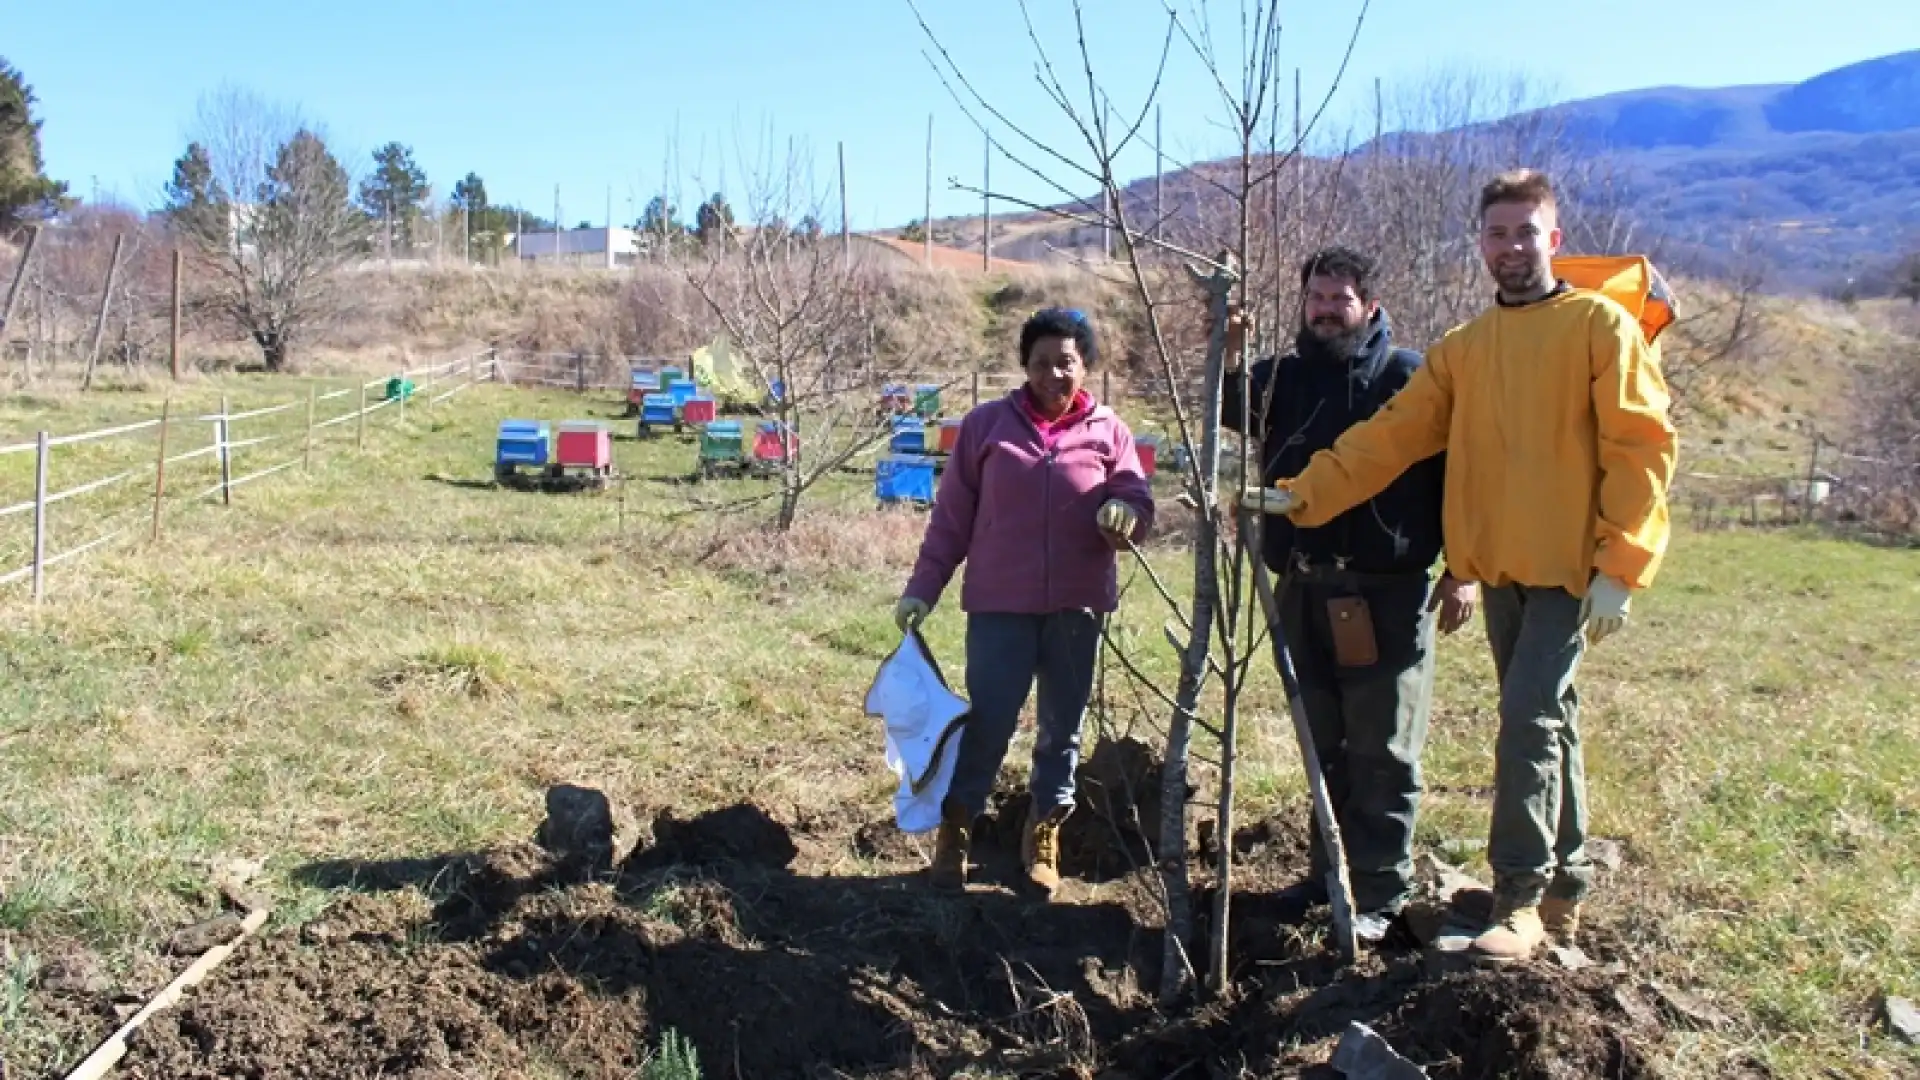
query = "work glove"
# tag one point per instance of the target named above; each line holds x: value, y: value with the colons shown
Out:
x: 1604, y: 609
x: 1117, y: 520
x: 1269, y: 500
x: 1455, y: 599
x: 908, y: 613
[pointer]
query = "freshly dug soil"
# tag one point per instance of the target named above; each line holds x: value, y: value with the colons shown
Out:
x: 514, y: 964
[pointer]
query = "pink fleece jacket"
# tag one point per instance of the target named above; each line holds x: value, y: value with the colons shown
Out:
x: 1021, y: 515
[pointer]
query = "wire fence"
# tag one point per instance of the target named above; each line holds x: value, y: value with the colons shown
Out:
x: 241, y: 447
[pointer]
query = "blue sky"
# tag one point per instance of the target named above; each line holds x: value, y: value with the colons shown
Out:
x: 591, y: 94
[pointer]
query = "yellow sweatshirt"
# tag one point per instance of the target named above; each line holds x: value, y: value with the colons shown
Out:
x: 1559, y: 448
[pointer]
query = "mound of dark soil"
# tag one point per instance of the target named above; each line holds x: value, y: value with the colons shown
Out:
x: 509, y: 963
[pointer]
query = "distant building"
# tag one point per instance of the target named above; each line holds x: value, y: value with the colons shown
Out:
x: 590, y: 247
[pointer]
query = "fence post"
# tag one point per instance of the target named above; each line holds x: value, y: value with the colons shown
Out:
x: 1806, y: 496
x: 313, y: 399
x: 401, y: 389
x: 224, y: 434
x: 580, y: 372
x: 976, y: 389
x: 160, y: 469
x: 39, y: 516
x: 1106, y: 388
x: 493, y: 363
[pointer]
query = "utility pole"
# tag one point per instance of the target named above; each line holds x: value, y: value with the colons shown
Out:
x: 846, y: 228
x: 1159, y: 176
x: 926, y: 221
x: 1106, y: 194
x: 986, y: 210
x: 1299, y: 171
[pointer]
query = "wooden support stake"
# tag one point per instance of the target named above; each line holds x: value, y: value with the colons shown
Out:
x: 224, y: 433
x: 160, y: 470
x: 360, y: 421
x: 173, y: 339
x: 1813, y: 464
x: 106, y: 302
x: 19, y: 281
x: 41, y: 450
x: 976, y: 389
x: 109, y: 1053
x: 306, y: 456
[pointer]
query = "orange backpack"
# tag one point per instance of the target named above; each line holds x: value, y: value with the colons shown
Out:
x: 1629, y: 280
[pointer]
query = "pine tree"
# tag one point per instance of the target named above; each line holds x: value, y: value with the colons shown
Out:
x: 25, y: 192
x: 395, y: 196
x: 196, y: 203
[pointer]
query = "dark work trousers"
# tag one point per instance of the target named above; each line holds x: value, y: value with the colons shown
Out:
x: 1538, y: 840
x: 1369, y: 723
x: 1006, y: 655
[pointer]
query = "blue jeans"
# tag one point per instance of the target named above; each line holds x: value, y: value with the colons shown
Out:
x: 1006, y: 655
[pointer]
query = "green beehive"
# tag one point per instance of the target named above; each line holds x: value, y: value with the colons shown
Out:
x: 399, y: 387
x: 926, y: 401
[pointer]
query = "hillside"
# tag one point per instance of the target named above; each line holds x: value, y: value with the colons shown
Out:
x: 1825, y: 173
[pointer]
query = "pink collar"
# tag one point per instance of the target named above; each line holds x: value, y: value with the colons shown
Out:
x: 1050, y: 428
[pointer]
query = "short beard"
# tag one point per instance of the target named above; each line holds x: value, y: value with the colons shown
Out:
x: 1343, y: 343
x: 1533, y: 280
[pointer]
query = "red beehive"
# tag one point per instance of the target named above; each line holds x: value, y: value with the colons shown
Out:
x: 584, y: 443
x: 949, y: 435
x: 698, y: 410
x: 768, y: 446
x: 1149, y: 451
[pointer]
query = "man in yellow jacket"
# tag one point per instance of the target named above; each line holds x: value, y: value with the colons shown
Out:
x: 1553, y: 413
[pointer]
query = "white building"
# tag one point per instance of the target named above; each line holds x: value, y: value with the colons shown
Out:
x: 591, y: 247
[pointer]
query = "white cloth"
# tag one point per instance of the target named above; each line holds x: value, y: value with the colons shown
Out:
x: 923, y: 719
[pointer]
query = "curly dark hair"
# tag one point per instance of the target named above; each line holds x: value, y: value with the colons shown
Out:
x: 1069, y: 323
x: 1340, y: 262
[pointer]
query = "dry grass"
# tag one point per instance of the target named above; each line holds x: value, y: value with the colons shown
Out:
x: 389, y: 658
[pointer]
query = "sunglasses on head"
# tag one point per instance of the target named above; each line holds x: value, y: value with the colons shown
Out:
x: 1075, y: 314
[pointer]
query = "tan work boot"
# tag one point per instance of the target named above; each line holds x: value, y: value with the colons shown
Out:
x: 951, y: 846
x: 1560, y: 917
x: 1515, y: 933
x: 1040, y: 849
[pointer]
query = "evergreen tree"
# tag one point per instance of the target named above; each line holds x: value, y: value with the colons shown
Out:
x: 470, y: 194
x: 25, y: 192
x: 196, y: 203
x: 395, y: 196
x: 713, y: 219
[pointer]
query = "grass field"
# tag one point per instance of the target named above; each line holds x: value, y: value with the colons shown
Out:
x: 389, y: 658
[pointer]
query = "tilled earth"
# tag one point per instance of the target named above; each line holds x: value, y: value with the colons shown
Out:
x: 723, y: 928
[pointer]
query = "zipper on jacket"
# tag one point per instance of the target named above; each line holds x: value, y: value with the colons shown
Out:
x: 1046, y: 556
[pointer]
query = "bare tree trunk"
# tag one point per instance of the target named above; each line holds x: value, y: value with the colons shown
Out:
x: 1176, y: 977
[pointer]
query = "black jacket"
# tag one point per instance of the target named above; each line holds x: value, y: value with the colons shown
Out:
x: 1315, y: 399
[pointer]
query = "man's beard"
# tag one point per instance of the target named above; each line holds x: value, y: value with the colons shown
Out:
x: 1521, y: 282
x: 1333, y: 338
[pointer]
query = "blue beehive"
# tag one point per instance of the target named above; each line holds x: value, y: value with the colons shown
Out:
x: 657, y: 409
x: 521, y: 442
x: 909, y: 436
x: 904, y: 478
x: 682, y: 389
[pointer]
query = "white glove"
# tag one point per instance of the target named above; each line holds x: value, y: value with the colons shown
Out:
x: 1604, y: 609
x: 908, y: 613
x: 1269, y: 500
x: 1117, y: 520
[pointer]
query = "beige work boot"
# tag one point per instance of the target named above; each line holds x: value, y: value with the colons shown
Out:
x: 1040, y: 849
x: 1560, y: 917
x: 951, y: 846
x: 1515, y: 933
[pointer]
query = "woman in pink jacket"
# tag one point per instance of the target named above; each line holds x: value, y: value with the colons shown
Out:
x: 1041, y: 489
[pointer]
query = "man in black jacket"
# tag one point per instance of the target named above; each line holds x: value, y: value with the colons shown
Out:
x: 1357, y: 608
